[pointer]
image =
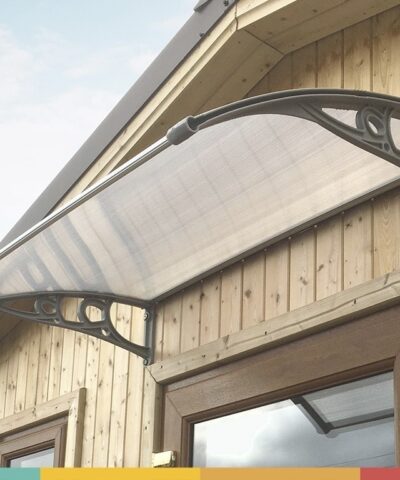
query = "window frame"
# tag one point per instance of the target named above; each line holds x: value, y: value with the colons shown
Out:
x: 356, y: 349
x: 51, y: 434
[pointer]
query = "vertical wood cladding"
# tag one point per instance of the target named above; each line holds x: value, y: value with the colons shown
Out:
x: 38, y: 363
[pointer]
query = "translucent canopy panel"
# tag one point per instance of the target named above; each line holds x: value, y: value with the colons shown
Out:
x: 280, y: 435
x: 249, y: 175
x: 351, y: 404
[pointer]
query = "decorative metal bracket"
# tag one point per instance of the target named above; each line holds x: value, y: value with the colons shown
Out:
x: 372, y: 130
x: 47, y: 309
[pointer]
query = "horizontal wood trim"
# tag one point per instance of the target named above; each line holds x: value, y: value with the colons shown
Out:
x: 300, y: 366
x: 71, y: 404
x: 323, y: 314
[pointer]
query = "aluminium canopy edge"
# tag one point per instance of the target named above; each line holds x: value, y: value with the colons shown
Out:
x: 221, y: 185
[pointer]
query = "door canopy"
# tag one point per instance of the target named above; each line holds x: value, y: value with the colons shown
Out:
x: 220, y: 186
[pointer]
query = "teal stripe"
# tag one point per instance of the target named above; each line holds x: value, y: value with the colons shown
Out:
x: 19, y: 474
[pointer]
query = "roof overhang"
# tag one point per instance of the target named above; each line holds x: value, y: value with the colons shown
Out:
x: 220, y: 186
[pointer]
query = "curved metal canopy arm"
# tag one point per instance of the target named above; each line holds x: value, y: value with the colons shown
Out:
x: 373, y: 115
x: 47, y: 309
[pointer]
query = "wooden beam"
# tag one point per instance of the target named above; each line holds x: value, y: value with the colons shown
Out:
x: 265, y: 19
x: 326, y: 313
x: 297, y: 24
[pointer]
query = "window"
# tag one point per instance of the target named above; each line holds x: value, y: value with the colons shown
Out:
x: 50, y: 434
x: 347, y: 425
x: 39, y: 446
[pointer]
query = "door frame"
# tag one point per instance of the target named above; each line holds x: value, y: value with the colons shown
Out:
x: 359, y: 348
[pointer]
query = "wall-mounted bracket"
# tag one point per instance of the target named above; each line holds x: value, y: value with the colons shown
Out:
x: 47, y: 308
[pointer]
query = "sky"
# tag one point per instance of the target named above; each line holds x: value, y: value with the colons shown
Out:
x: 63, y: 66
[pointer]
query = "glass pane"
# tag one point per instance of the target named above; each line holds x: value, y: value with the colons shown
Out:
x: 243, y: 182
x: 282, y: 435
x: 44, y: 458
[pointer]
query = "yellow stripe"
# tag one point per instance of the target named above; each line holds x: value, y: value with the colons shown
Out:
x: 120, y: 474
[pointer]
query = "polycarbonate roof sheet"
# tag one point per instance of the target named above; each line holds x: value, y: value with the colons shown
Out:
x: 192, y: 207
x: 368, y: 397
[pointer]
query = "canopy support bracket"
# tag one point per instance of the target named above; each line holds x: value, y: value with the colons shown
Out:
x: 47, y: 308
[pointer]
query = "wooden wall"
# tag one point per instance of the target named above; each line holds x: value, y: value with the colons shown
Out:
x: 40, y: 363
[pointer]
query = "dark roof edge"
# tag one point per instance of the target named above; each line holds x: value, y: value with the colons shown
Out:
x: 130, y: 105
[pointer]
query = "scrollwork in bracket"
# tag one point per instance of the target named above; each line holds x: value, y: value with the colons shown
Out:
x: 372, y: 130
x: 47, y: 309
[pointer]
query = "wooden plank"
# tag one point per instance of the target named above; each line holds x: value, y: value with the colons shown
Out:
x: 119, y: 391
x: 330, y: 58
x: 74, y: 441
x: 329, y: 258
x: 172, y: 325
x: 33, y: 366
x: 68, y: 350
x: 92, y: 373
x: 210, y: 309
x: 3, y: 384
x: 23, y: 366
x: 134, y: 396
x: 304, y: 67
x: 277, y: 280
x: 159, y: 332
x: 12, y: 373
x: 302, y: 269
x: 357, y: 56
x: 386, y: 45
x: 190, y: 329
x: 386, y: 213
x: 280, y: 77
x: 80, y: 359
x: 231, y: 300
x: 344, y: 306
x: 57, y: 342
x: 103, y: 404
x: 151, y: 422
x: 357, y: 238
x: 253, y: 290
x: 44, y: 364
